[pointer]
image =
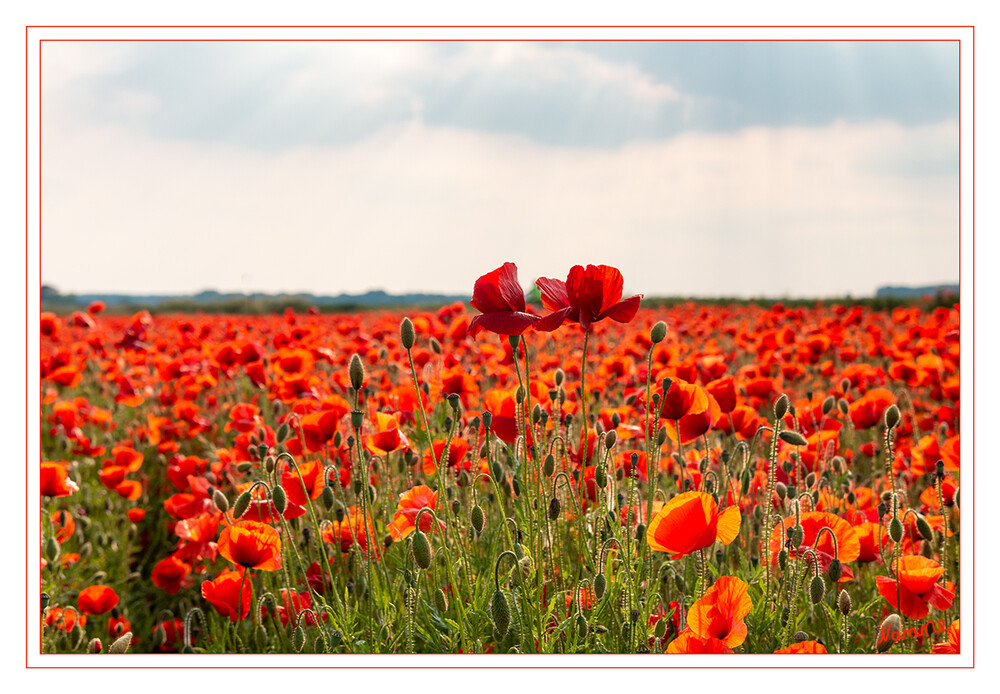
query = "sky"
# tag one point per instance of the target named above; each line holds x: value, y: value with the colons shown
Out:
x: 743, y: 168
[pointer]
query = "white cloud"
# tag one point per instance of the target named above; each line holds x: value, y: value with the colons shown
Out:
x: 761, y: 211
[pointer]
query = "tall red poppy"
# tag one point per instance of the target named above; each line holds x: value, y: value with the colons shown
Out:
x: 691, y: 521
x: 720, y: 612
x: 499, y: 298
x: 918, y: 587
x: 55, y: 480
x: 226, y: 597
x: 587, y: 296
x: 251, y: 545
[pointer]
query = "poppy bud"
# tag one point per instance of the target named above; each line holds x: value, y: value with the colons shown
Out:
x: 440, y: 601
x: 519, y: 394
x: 500, y: 612
x: 895, y: 530
x: 924, y: 528
x: 601, y: 476
x: 52, y: 549
x: 549, y: 466
x: 560, y: 376
x: 658, y: 332
x: 798, y: 533
x: 745, y: 482
x: 44, y: 599
x: 242, y: 504
x: 407, y: 335
x: 421, y: 548
x: 783, y: 559
x: 792, y: 437
x: 435, y: 346
x: 828, y: 404
x: 356, y: 371
x: 244, y: 466
x: 781, y: 490
x: 554, y: 509
x: 94, y: 646
x: 282, y: 433
x: 260, y: 637
x: 582, y: 629
x: 610, y: 439
x: 892, y: 417
x: 299, y: 639
x: 319, y: 645
x: 122, y: 643
x: 780, y: 406
x: 661, y: 436
x: 327, y: 497
x: 220, y: 500
x: 478, y: 518
x: 817, y: 588
x: 278, y: 498
x: 890, y: 625
x: 660, y: 630
x: 269, y: 464
x: 262, y: 450
x: 843, y: 406
x: 835, y: 571
x: 600, y: 585
x: 844, y: 603
x: 640, y: 529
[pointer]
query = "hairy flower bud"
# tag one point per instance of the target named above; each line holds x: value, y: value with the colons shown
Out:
x: 658, y: 332
x: 407, y: 335
x: 500, y: 611
x: 356, y: 371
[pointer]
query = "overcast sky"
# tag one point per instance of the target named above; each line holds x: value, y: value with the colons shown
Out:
x: 697, y: 168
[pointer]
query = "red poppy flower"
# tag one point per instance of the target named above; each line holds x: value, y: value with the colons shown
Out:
x: 388, y: 437
x: 312, y: 477
x: 64, y: 618
x: 225, y: 596
x: 724, y: 392
x: 867, y: 411
x: 499, y: 298
x: 810, y: 647
x: 171, y: 574
x: 97, y: 599
x: 813, y: 522
x: 55, y: 480
x: 691, y: 521
x: 587, y: 296
x: 689, y: 642
x: 251, y: 545
x: 349, y: 530
x: 458, y: 449
x: 720, y: 612
x: 918, y: 587
x: 953, y: 644
x: 410, y: 503
x: 64, y: 525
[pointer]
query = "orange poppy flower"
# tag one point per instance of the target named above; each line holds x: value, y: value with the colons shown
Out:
x: 388, y: 438
x: 64, y: 525
x: 312, y: 477
x: 805, y: 647
x: 867, y: 411
x: 97, y: 599
x: 410, y: 503
x: 458, y: 449
x: 720, y: 612
x: 953, y: 644
x: 64, y: 618
x: 251, y: 545
x: 55, y: 480
x: 813, y: 522
x: 689, y: 642
x: 691, y: 521
x: 225, y: 596
x: 918, y: 587
x: 349, y: 530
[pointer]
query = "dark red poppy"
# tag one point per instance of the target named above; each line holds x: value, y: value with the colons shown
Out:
x: 587, y: 296
x: 97, y: 599
x: 500, y: 300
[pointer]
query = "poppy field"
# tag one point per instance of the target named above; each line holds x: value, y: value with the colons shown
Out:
x: 585, y: 474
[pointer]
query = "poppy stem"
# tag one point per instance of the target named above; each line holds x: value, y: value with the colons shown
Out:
x: 583, y: 401
x: 239, y: 598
